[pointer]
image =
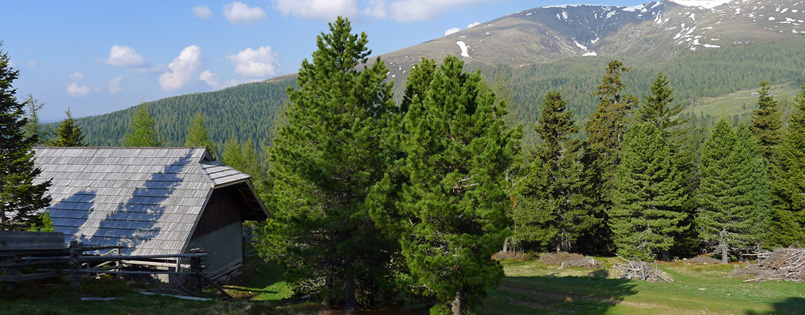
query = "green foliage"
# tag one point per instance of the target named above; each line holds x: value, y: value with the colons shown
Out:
x: 324, y: 161
x: 788, y: 187
x: 44, y: 224
x: 245, y: 158
x: 657, y: 107
x: 33, y: 127
x: 734, y: 192
x: 197, y: 134
x: 451, y: 208
x: 20, y: 196
x: 68, y: 134
x: 649, y: 196
x: 550, y: 198
x: 766, y: 123
x: 141, y: 131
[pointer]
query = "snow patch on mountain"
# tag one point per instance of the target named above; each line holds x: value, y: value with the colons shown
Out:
x: 707, y: 4
x: 464, y: 48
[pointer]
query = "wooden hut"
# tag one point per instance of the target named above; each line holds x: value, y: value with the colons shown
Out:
x: 153, y: 201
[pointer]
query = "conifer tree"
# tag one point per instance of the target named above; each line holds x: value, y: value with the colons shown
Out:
x: 68, y: 134
x: 657, y: 108
x: 733, y: 194
x: 20, y: 196
x: 452, y: 206
x: 766, y: 123
x: 324, y: 161
x: 649, y: 197
x: 549, y: 199
x: 141, y: 131
x: 788, y: 187
x: 605, y: 131
x: 197, y: 134
x: 33, y: 127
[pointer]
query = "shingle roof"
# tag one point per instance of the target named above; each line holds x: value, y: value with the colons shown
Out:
x: 147, y: 199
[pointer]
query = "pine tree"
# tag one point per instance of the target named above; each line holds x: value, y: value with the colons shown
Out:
x: 605, y: 131
x: 549, y: 199
x: 766, y: 123
x: 788, y: 187
x: 33, y: 127
x: 141, y: 131
x: 197, y: 134
x: 453, y: 202
x: 324, y: 161
x: 68, y: 134
x: 20, y: 196
x: 733, y: 194
x: 649, y: 197
x: 657, y: 108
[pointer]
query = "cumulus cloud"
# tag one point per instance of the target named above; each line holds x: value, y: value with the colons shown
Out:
x: 124, y: 56
x: 240, y: 13
x: 210, y: 78
x: 255, y: 63
x: 202, y: 12
x: 473, y: 24
x: 76, y: 76
x: 451, y: 31
x: 419, y: 10
x: 182, y: 69
x: 114, y: 85
x: 74, y: 89
x: 376, y: 8
x: 325, y: 9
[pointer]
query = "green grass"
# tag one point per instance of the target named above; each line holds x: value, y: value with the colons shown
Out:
x: 532, y: 288
x: 742, y: 103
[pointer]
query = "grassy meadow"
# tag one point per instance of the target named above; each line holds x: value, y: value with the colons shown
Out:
x: 530, y: 287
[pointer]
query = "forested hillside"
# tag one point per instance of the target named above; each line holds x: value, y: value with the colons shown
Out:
x: 246, y: 111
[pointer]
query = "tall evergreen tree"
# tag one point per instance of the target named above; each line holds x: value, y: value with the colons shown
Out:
x: 549, y: 199
x: 33, y: 127
x: 657, y: 108
x: 197, y: 134
x: 734, y: 193
x: 452, y: 207
x: 649, y: 197
x: 68, y: 134
x: 324, y: 161
x: 141, y: 131
x: 766, y: 123
x: 20, y: 196
x: 605, y: 131
x: 788, y: 187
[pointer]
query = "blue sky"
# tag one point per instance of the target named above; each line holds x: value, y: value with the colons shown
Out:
x: 100, y: 56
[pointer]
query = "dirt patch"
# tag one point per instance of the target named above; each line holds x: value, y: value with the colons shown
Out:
x: 703, y: 260
x: 563, y: 259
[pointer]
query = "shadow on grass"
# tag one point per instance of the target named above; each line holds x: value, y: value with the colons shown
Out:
x: 791, y: 305
x: 584, y: 295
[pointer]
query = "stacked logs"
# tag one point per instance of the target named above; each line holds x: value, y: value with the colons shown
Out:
x: 781, y: 264
x: 640, y: 270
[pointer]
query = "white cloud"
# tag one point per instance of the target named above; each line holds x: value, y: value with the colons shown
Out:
x: 73, y: 89
x: 473, y: 24
x: 239, y: 13
x: 324, y: 9
x: 255, y: 63
x: 76, y: 76
x: 451, y: 31
x: 33, y: 63
x: 124, y: 56
x: 419, y: 10
x: 202, y: 12
x: 210, y: 78
x: 376, y: 8
x: 114, y: 85
x: 182, y: 69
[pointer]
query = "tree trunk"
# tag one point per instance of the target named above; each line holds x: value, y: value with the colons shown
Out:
x: 350, y: 304
x: 459, y: 304
x: 558, y: 245
x: 724, y: 248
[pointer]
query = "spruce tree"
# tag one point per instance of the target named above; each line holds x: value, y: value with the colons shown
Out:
x: 141, y: 131
x: 605, y: 131
x: 197, y: 134
x: 68, y: 134
x: 766, y: 123
x: 453, y: 201
x: 649, y: 196
x: 20, y: 196
x: 324, y: 161
x: 788, y: 187
x: 549, y: 199
x: 657, y: 109
x: 733, y: 194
